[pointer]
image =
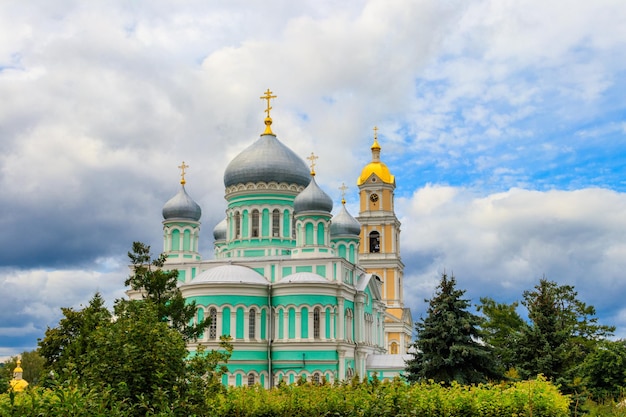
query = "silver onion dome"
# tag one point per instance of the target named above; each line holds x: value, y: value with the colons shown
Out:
x: 313, y: 198
x: 181, y: 206
x: 219, y: 232
x: 266, y: 160
x: 344, y: 224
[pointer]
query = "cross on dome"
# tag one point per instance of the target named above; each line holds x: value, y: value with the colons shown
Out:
x: 268, y: 120
x: 182, y: 172
x: 343, y: 189
x: 312, y: 158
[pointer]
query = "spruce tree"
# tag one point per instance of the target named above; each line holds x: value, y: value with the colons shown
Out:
x: 447, y: 347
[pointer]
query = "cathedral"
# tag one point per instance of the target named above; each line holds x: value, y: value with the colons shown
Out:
x: 303, y: 293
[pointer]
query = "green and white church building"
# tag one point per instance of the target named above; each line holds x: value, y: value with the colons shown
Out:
x: 286, y: 282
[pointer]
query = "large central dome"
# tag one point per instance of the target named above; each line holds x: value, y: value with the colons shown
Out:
x: 267, y: 160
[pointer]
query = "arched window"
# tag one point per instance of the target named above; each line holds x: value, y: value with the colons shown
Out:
x: 349, y: 324
x: 252, y: 323
x: 237, y: 225
x: 316, y: 323
x: 374, y: 242
x: 394, y: 348
x: 255, y: 223
x: 316, y: 378
x: 251, y: 379
x: 213, y: 325
x: 275, y: 223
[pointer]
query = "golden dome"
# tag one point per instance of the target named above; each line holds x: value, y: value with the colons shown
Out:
x: 378, y: 168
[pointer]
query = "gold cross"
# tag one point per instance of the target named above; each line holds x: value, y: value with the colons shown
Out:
x: 312, y: 158
x: 343, y: 189
x: 268, y: 120
x: 268, y: 96
x: 375, y: 133
x: 182, y: 172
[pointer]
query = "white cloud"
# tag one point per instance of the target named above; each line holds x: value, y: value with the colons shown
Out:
x: 501, y: 244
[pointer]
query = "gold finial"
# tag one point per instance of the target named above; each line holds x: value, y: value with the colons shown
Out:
x: 312, y: 158
x: 343, y: 189
x: 375, y: 145
x: 268, y: 120
x: 182, y: 173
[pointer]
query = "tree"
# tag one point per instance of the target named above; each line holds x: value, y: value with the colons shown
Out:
x: 500, y: 328
x: 446, y: 346
x: 159, y: 286
x: 136, y: 354
x: 66, y: 345
x: 604, y: 370
x: 562, y: 331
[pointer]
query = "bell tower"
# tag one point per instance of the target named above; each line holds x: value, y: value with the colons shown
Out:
x: 380, y: 248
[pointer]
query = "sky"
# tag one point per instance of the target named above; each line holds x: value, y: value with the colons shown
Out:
x: 503, y: 121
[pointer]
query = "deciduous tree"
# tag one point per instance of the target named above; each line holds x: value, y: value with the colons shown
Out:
x: 159, y: 286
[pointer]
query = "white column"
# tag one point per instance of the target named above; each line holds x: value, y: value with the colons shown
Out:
x: 298, y: 325
x: 246, y: 324
x: 311, y: 328
x: 340, y: 320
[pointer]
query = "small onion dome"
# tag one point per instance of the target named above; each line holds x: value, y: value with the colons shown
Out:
x: 219, y: 232
x: 181, y: 206
x: 312, y: 198
x: 230, y: 274
x: 266, y: 160
x: 344, y: 224
x: 303, y: 277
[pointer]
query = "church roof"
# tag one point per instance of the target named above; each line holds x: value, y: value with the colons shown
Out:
x: 219, y: 231
x: 181, y: 206
x: 230, y: 274
x: 267, y: 160
x: 303, y: 277
x: 313, y: 198
x: 388, y: 361
x: 344, y: 224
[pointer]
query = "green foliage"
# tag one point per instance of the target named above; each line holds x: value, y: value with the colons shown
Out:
x: 159, y: 286
x: 385, y: 399
x: 68, y: 344
x: 561, y: 333
x: 136, y: 355
x: 500, y: 328
x: 446, y: 347
x: 604, y: 370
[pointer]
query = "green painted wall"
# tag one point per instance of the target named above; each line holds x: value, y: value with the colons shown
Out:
x: 281, y: 325
x: 308, y: 299
x: 226, y: 321
x: 304, y: 322
x: 292, y: 323
x: 320, y: 270
x: 304, y: 268
x: 247, y: 300
x: 239, y: 328
x: 175, y: 239
x: 308, y: 234
x: 263, y: 323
